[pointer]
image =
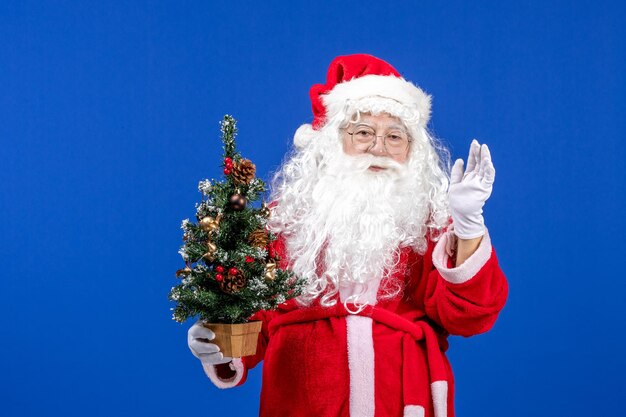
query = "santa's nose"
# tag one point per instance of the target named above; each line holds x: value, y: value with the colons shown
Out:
x: 379, y: 146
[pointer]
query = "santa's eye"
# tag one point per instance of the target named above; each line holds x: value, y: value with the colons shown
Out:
x: 365, y: 133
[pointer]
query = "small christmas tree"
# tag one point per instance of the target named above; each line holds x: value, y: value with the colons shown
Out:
x: 230, y: 270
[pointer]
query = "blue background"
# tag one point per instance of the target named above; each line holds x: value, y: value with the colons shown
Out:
x: 109, y: 118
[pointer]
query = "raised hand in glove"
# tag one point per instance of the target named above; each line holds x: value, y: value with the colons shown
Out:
x: 469, y: 190
x: 198, y: 338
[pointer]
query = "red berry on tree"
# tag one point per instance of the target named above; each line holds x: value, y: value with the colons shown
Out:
x: 227, y: 171
x: 219, y: 277
x: 249, y: 259
x: 219, y: 268
x: 233, y: 271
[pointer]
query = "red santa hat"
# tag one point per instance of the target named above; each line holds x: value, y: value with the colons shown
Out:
x: 361, y: 76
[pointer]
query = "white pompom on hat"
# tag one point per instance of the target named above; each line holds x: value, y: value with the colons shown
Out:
x: 360, y: 76
x: 304, y: 134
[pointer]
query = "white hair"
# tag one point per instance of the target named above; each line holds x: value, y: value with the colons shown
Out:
x: 345, y: 225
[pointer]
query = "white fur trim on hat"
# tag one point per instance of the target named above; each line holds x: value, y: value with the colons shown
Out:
x: 390, y: 86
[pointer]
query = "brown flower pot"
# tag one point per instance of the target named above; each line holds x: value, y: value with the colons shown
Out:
x: 236, y: 340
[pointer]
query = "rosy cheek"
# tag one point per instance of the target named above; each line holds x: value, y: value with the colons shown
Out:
x: 400, y: 159
x: 347, y: 148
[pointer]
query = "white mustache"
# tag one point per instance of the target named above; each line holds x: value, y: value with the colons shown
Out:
x: 367, y: 160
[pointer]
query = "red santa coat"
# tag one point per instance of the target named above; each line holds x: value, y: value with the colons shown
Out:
x: 387, y: 361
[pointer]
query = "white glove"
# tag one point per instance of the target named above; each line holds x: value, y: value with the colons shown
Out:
x: 198, y: 338
x: 469, y: 190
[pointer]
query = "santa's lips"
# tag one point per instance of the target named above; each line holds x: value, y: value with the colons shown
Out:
x: 376, y: 168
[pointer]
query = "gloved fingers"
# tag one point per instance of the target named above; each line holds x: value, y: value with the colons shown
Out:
x: 200, y: 348
x: 489, y: 172
x: 484, y: 152
x: 473, y: 157
x: 457, y: 171
x: 214, y: 358
x: 477, y: 157
x: 486, y: 172
x: 198, y: 331
x: 480, y: 164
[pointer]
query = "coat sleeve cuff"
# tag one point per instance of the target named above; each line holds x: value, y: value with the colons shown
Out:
x: 211, y: 372
x: 467, y: 269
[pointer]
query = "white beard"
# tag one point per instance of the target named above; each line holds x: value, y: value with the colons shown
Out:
x: 345, y: 230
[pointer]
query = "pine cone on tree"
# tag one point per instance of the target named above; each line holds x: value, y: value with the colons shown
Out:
x: 233, y: 282
x: 258, y: 238
x: 243, y: 171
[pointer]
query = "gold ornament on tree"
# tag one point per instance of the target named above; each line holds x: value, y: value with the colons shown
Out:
x: 210, y: 253
x: 210, y: 224
x: 243, y: 171
x: 265, y: 211
x: 270, y: 271
x: 184, y: 271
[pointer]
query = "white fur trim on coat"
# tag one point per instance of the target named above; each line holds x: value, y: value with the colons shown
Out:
x: 392, y: 87
x: 467, y: 269
x: 236, y: 365
x: 414, y: 411
x: 439, y: 390
x: 361, y: 365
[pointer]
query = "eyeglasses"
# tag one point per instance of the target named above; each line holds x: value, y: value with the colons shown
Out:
x: 395, y: 141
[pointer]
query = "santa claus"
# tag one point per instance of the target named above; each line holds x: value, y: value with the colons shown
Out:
x: 394, y: 250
